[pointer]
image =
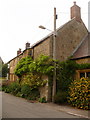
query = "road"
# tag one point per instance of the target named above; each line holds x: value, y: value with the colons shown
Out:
x: 15, y: 107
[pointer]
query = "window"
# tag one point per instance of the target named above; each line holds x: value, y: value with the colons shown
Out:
x: 88, y: 74
x: 85, y: 74
x: 82, y: 75
x: 30, y: 53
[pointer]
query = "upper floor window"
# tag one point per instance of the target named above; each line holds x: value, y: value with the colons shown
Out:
x: 30, y: 53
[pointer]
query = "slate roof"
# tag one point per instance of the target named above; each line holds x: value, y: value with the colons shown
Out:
x: 83, y: 50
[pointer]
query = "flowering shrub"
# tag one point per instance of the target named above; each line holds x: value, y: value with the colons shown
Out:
x: 79, y: 93
x: 33, y: 80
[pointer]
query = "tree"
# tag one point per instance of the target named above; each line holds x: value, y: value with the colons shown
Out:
x: 4, y: 70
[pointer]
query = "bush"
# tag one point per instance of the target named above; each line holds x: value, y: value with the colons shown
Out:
x: 33, y: 80
x: 34, y: 95
x: 5, y: 85
x: 60, y: 97
x: 42, y: 100
x: 27, y: 92
x: 79, y: 93
x: 13, y: 88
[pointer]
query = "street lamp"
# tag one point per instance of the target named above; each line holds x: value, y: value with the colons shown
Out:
x: 54, y: 54
x: 42, y: 27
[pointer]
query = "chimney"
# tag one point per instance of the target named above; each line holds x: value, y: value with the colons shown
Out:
x: 19, y: 51
x: 76, y: 12
x: 27, y: 45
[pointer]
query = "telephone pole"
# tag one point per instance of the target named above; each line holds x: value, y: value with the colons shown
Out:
x: 54, y: 57
x: 54, y: 54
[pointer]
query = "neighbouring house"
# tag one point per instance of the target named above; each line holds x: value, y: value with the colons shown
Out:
x: 73, y: 39
x: 13, y: 62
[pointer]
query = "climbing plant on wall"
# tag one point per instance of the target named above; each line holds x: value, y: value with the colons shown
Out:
x: 31, y: 71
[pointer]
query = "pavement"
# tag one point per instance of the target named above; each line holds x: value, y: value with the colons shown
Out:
x: 70, y: 110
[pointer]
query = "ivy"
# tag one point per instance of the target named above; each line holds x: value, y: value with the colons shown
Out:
x: 83, y: 66
x: 65, y: 74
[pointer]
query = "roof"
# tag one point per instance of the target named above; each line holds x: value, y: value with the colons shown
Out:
x: 83, y: 50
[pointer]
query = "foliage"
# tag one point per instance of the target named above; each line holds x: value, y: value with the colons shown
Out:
x: 4, y: 70
x: 42, y: 65
x: 33, y: 80
x: 79, y: 93
x: 5, y: 84
x: 61, y: 97
x: 34, y: 95
x: 23, y: 66
x: 21, y: 90
x: 65, y: 74
x: 25, y: 90
x: 83, y: 66
x: 31, y: 71
x: 42, y: 100
x: 13, y: 88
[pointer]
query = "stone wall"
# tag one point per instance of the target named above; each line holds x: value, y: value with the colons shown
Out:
x: 68, y: 38
x: 45, y: 91
x: 85, y: 60
x: 43, y: 48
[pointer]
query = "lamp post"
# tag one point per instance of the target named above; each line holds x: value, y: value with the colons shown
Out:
x: 54, y: 54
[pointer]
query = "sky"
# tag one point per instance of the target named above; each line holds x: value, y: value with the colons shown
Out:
x: 19, y: 21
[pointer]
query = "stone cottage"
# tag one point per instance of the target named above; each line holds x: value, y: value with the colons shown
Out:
x: 72, y: 39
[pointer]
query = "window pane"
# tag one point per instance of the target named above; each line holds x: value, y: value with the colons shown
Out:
x: 82, y: 75
x: 88, y: 74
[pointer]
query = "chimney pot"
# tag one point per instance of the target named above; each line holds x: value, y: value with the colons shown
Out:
x: 27, y: 45
x: 19, y: 51
x: 74, y: 2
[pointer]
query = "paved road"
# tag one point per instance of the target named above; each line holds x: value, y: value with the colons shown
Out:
x: 15, y: 107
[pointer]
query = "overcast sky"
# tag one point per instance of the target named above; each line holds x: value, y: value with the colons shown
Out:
x: 19, y: 21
